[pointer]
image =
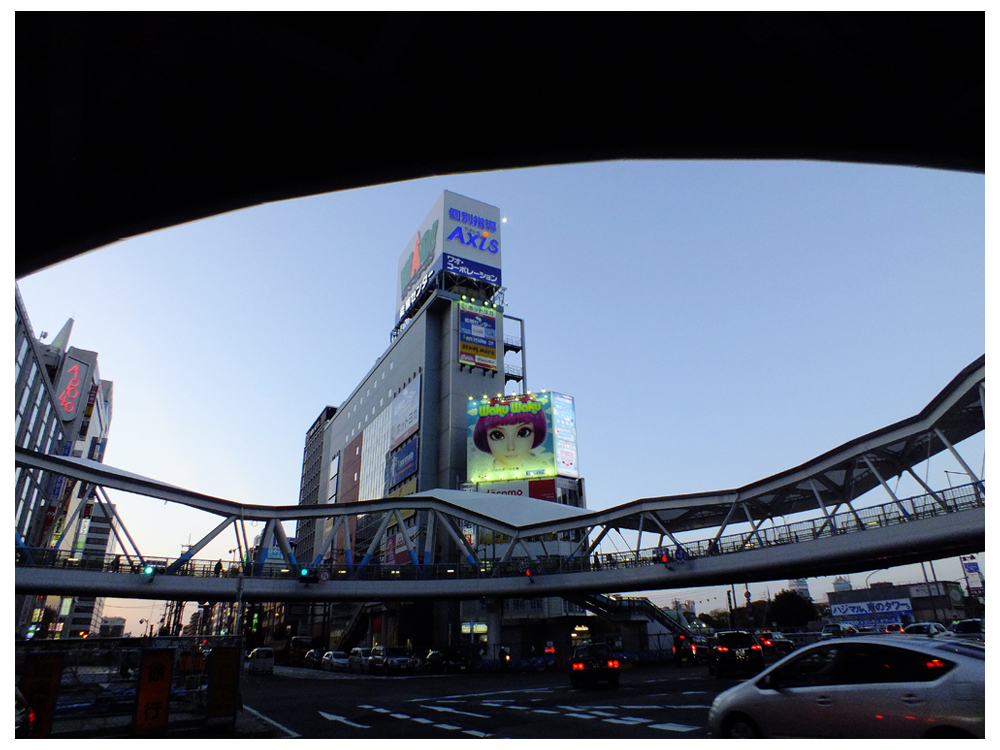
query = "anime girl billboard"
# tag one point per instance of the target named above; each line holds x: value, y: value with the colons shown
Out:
x: 511, y: 437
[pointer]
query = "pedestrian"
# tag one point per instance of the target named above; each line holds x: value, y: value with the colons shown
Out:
x: 218, y: 569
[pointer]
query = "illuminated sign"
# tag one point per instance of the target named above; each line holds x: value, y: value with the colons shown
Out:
x: 475, y: 239
x: 477, y: 337
x: 466, y: 267
x: 404, y: 463
x: 70, y: 387
x: 510, y: 437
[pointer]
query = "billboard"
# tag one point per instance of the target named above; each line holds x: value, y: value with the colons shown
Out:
x: 510, y: 437
x: 564, y: 424
x: 74, y: 376
x: 460, y: 235
x: 876, y: 614
x: 403, y: 463
x: 477, y: 336
x: 405, y: 414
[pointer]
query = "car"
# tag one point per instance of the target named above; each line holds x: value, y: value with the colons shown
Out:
x: 699, y: 648
x: 391, y: 660
x: 261, y: 660
x: 592, y: 663
x: 312, y: 659
x: 443, y: 660
x: 335, y: 661
x: 864, y: 687
x: 970, y: 630
x: 359, y: 660
x: 734, y: 651
x: 683, y: 648
x: 838, y: 630
x: 894, y: 627
x: 773, y: 642
x: 925, y: 628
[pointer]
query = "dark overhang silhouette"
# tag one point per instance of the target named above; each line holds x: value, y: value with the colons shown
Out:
x: 127, y: 123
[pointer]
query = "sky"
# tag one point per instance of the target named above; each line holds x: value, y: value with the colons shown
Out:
x: 716, y: 322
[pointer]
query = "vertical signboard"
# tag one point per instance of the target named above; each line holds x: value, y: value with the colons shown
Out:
x: 510, y: 437
x: 477, y: 336
x: 564, y: 424
x: 405, y: 414
x: 74, y: 377
x: 152, y: 704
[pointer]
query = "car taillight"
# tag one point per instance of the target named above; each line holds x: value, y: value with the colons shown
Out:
x: 613, y: 664
x: 755, y: 647
x: 578, y: 665
x: 721, y: 648
x: 767, y: 643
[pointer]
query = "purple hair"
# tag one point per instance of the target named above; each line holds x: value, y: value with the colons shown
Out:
x: 487, y: 423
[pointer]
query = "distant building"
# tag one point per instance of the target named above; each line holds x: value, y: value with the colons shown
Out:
x: 112, y: 627
x: 410, y: 425
x: 62, y: 407
x: 885, y: 603
x: 801, y: 587
x: 842, y: 584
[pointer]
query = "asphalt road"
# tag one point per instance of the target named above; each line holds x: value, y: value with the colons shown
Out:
x: 652, y: 702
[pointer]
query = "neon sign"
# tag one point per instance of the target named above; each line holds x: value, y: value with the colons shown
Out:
x: 70, y: 389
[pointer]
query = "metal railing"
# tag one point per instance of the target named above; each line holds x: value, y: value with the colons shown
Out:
x: 951, y: 500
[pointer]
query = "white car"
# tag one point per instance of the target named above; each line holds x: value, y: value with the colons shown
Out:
x: 925, y: 628
x: 261, y: 660
x: 335, y: 661
x: 862, y: 687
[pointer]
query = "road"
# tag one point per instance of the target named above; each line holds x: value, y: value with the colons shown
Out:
x: 652, y: 702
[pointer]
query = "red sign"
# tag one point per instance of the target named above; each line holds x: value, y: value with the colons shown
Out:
x: 153, y: 695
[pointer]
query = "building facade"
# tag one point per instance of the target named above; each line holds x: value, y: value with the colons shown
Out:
x: 62, y: 406
x: 445, y: 407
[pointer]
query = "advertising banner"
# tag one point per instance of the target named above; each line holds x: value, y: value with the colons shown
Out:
x: 510, y: 437
x: 403, y: 463
x: 460, y: 235
x: 876, y: 614
x: 405, y: 414
x: 564, y: 423
x: 477, y: 337
x: 540, y: 489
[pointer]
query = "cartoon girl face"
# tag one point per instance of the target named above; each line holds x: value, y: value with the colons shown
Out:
x: 510, y: 444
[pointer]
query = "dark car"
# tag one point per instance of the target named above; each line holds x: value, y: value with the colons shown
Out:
x: 683, y: 648
x: 700, y: 648
x: 735, y: 651
x: 894, y: 627
x: 773, y: 642
x: 864, y: 687
x: 313, y: 659
x: 390, y: 660
x: 444, y: 660
x: 593, y: 663
x: 24, y: 717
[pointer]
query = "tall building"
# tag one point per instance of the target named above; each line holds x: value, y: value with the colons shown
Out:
x: 62, y: 406
x: 445, y: 407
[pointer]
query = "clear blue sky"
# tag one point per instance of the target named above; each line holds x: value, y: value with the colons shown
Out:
x: 716, y: 322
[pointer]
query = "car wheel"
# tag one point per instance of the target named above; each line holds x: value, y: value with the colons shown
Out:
x: 739, y: 727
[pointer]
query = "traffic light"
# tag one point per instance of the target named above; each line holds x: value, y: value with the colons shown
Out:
x: 148, y: 573
x: 526, y: 570
x: 308, y: 576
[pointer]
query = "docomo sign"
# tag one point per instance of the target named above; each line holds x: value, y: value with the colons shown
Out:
x: 71, y: 387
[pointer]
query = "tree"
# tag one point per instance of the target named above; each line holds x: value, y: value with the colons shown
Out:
x: 789, y: 609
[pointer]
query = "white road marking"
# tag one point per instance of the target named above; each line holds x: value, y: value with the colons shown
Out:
x: 581, y: 716
x: 673, y: 727
x: 283, y: 728
x: 399, y: 716
x: 476, y: 733
x: 447, y: 726
x: 422, y: 720
x: 445, y: 709
x: 342, y: 720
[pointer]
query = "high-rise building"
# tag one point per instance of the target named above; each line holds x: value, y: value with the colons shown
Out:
x: 63, y: 407
x: 445, y: 407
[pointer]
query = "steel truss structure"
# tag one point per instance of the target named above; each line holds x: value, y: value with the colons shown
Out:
x: 559, y: 542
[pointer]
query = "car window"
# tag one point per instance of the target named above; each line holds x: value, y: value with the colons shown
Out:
x: 735, y: 640
x: 863, y: 663
x: 816, y: 667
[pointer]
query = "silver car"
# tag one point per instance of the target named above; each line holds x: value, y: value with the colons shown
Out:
x: 862, y: 687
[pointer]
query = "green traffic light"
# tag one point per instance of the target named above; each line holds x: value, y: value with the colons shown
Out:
x: 148, y: 570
